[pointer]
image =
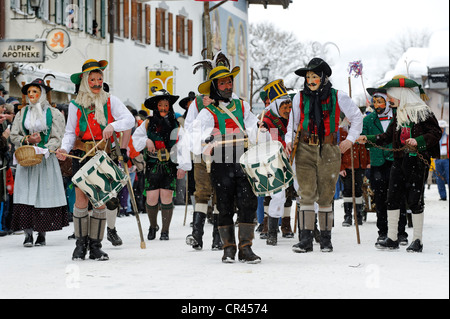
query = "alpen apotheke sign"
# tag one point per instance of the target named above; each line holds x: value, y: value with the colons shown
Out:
x: 22, y: 51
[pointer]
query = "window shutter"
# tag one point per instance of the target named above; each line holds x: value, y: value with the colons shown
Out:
x: 178, y: 34
x: 158, y: 28
x: 103, y: 19
x: 133, y: 20
x: 117, y: 17
x: 147, y: 24
x: 89, y: 15
x: 190, y: 30
x: 170, y: 21
x: 126, y: 18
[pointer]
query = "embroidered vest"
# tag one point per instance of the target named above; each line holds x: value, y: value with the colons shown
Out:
x: 82, y: 129
x: 330, y: 109
x: 49, y: 120
x: 222, y: 122
x: 273, y: 121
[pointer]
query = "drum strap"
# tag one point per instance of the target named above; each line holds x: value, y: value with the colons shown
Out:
x: 231, y: 115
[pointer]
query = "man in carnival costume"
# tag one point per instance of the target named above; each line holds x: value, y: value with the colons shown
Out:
x: 380, y: 164
x: 415, y: 129
x: 316, y: 112
x: 94, y: 115
x: 226, y: 116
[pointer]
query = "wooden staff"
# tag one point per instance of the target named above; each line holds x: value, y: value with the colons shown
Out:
x: 353, y: 199
x: 49, y: 93
x: 24, y: 98
x: 187, y: 199
x: 130, y: 190
x: 353, y: 177
x: 291, y: 160
x: 259, y: 128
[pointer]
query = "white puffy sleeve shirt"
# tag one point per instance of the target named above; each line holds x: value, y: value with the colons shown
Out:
x: 347, y: 106
x: 123, y: 120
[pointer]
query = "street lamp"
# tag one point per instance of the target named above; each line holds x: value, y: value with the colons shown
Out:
x: 35, y: 5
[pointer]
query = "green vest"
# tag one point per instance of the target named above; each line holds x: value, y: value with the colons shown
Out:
x: 49, y: 120
x: 236, y: 108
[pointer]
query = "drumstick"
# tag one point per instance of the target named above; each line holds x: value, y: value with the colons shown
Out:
x: 91, y: 150
x: 68, y: 155
x: 259, y: 128
x: 228, y: 141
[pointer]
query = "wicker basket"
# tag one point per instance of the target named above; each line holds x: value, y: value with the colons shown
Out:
x: 26, y: 156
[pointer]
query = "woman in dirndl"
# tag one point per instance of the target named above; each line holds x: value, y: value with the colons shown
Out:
x: 40, y: 203
x: 156, y: 137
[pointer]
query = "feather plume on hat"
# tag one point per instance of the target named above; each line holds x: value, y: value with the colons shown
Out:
x: 219, y: 59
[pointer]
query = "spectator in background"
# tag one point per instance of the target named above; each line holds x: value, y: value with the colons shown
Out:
x: 441, y: 163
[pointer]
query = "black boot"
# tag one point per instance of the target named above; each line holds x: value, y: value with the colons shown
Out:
x: 286, y: 227
x: 415, y: 247
x: 196, y: 238
x: 217, y: 242
x: 80, y: 250
x: 325, y: 241
x: 28, y: 242
x: 348, y: 214
x: 97, y: 230
x: 306, y: 242
x: 387, y: 244
x: 113, y: 237
x: 229, y: 243
x: 246, y: 235
x: 81, y: 227
x: 40, y: 240
x: 272, y: 231
x: 359, y: 214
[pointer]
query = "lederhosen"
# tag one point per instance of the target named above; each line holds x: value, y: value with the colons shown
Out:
x: 233, y: 190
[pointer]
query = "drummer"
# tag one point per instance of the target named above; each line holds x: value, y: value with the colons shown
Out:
x: 94, y: 115
x: 39, y: 198
x: 275, y: 120
x: 224, y: 117
x: 157, y: 137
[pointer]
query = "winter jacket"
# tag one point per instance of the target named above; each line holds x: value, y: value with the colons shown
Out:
x: 427, y: 134
x: 372, y: 126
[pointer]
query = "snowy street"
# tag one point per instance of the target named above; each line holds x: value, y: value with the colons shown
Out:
x: 171, y: 269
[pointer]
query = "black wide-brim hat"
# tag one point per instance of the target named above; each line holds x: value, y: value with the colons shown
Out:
x: 183, y: 102
x: 37, y: 82
x: 315, y: 65
x: 152, y: 102
x: 372, y: 91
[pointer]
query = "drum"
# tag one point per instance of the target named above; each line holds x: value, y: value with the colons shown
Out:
x: 267, y: 168
x: 100, y: 179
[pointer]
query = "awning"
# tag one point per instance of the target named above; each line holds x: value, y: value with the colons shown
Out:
x: 61, y: 82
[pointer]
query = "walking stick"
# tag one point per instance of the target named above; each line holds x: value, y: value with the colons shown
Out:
x: 187, y: 199
x: 130, y: 190
x: 353, y: 198
x: 291, y: 160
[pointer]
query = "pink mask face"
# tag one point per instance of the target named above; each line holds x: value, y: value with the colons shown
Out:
x: 312, y: 80
x: 163, y: 107
x: 379, y: 104
x: 34, y: 93
x: 95, y: 81
x: 393, y: 102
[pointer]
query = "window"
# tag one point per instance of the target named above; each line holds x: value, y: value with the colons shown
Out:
x: 184, y: 35
x: 164, y: 29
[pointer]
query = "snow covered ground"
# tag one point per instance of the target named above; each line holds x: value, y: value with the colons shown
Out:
x: 171, y: 269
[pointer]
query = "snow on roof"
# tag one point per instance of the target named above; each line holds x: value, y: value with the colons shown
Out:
x: 438, y: 50
x: 413, y: 63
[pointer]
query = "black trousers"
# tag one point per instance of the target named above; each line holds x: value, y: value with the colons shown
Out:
x: 359, y: 177
x: 408, y: 176
x: 379, y: 182
x: 234, y: 193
